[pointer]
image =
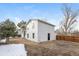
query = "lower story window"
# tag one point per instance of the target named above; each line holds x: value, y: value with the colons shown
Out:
x: 33, y: 35
x: 27, y: 35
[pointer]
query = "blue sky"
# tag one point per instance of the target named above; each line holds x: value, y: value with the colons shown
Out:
x: 24, y: 11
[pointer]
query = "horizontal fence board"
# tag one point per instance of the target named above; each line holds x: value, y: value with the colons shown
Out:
x: 68, y: 38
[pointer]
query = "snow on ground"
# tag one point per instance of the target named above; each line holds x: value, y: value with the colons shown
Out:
x: 12, y: 50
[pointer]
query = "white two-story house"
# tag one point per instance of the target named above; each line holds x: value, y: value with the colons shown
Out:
x: 39, y: 31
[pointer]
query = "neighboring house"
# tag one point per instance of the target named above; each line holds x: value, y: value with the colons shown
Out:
x: 39, y: 31
x: 20, y: 33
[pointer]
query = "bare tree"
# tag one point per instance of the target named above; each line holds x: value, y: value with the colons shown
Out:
x: 75, y: 32
x: 70, y: 16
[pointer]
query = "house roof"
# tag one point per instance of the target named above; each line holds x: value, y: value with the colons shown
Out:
x: 40, y: 21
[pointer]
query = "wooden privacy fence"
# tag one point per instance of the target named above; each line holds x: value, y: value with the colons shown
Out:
x: 68, y: 38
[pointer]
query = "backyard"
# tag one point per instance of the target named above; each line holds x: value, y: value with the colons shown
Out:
x: 50, y: 48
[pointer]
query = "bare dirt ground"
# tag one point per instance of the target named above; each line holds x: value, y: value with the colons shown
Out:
x: 50, y: 48
x: 23, y: 41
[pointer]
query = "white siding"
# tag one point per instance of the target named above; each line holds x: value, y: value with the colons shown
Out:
x: 22, y: 34
x: 32, y: 29
x: 43, y: 30
x: 40, y: 30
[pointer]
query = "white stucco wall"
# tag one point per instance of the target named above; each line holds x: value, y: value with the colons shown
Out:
x: 30, y: 30
x: 43, y: 30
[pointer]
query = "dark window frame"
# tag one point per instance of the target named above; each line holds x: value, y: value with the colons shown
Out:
x: 27, y: 35
x: 33, y: 35
x: 49, y: 35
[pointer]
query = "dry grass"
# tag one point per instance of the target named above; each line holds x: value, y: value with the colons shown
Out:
x: 50, y: 48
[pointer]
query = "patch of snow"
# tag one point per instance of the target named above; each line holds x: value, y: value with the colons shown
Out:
x: 13, y: 50
x: 3, y: 41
